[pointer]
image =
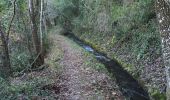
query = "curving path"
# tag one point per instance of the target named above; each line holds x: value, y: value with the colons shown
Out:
x: 79, y: 79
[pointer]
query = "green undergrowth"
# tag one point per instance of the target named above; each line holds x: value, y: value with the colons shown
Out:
x: 128, y: 67
x: 30, y: 86
x: 134, y: 37
x: 156, y: 95
x: 26, y: 89
x: 21, y: 55
x: 139, y: 53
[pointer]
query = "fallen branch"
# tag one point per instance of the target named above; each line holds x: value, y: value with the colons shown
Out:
x: 36, y: 58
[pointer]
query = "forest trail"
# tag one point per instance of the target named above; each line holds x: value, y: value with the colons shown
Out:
x: 79, y: 80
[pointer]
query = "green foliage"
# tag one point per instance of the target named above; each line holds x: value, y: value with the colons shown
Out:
x: 67, y: 10
x: 26, y: 89
x: 20, y: 43
x: 156, y: 95
x: 20, y: 60
x: 133, y: 25
x: 3, y: 5
x: 134, y: 30
x: 131, y: 17
x: 22, y: 5
x: 145, y: 38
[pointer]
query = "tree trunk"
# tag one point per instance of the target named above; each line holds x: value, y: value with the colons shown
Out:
x: 163, y: 15
x: 36, y: 40
x: 5, y: 70
x: 42, y: 28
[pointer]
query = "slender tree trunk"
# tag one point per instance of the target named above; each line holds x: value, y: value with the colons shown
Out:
x: 5, y: 70
x: 33, y: 10
x: 41, y: 28
x: 163, y: 15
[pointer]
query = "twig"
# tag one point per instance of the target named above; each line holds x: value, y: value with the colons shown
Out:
x: 36, y: 58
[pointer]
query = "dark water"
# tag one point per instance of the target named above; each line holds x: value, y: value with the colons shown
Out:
x: 129, y: 86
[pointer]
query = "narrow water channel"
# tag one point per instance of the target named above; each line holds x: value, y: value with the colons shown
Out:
x: 129, y: 86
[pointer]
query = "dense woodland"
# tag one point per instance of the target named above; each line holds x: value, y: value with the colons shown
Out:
x: 39, y: 60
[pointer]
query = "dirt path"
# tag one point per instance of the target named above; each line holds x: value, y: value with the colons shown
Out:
x: 79, y: 80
